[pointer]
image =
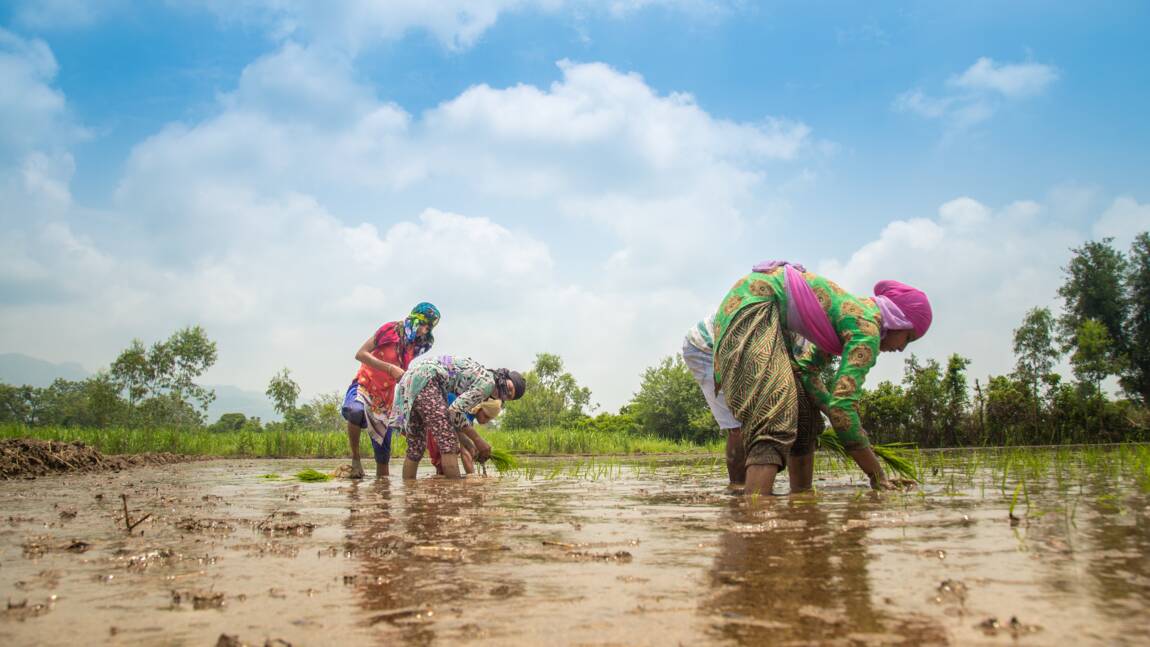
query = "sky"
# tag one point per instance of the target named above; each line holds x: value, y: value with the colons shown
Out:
x: 564, y: 176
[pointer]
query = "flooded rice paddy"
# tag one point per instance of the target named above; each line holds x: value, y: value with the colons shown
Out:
x: 1025, y: 547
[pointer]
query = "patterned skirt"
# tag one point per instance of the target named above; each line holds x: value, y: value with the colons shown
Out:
x: 755, y: 361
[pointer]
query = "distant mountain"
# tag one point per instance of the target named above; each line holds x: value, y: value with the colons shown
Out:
x: 19, y: 369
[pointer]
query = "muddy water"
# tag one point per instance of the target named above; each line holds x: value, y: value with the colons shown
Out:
x: 641, y: 556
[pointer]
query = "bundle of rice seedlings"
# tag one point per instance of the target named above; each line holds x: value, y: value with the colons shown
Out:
x: 895, y: 455
x: 503, y: 460
x: 311, y: 476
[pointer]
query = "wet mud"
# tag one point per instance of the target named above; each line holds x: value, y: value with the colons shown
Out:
x: 653, y: 556
x: 26, y: 458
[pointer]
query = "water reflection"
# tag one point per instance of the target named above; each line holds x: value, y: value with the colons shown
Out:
x: 796, y: 570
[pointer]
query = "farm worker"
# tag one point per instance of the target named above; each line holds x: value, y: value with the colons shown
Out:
x: 421, y: 406
x: 754, y: 366
x: 384, y: 358
x: 483, y: 413
x: 699, y: 356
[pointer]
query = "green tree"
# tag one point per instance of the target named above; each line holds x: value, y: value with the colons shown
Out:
x: 185, y: 356
x: 925, y: 398
x: 553, y: 397
x: 1094, y: 290
x: 19, y: 404
x: 229, y: 422
x: 321, y: 413
x: 671, y: 405
x: 1036, y: 353
x: 166, y: 373
x: 957, y: 397
x: 1136, y: 377
x: 885, y: 413
x: 132, y: 373
x: 1093, y: 357
x: 1006, y: 405
x: 283, y: 392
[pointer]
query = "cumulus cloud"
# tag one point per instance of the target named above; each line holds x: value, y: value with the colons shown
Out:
x: 569, y: 218
x: 978, y: 92
x: 33, y: 113
x: 982, y: 267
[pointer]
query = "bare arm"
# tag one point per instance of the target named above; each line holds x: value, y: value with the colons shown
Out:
x: 482, y: 447
x: 364, y: 356
x: 870, y: 464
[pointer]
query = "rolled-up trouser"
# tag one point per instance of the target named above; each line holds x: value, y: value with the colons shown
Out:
x: 429, y: 416
x: 702, y: 366
x: 353, y: 412
x: 754, y: 361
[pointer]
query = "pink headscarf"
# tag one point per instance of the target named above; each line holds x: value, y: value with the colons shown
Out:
x: 903, y: 307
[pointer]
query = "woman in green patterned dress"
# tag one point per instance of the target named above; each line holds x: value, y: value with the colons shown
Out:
x: 756, y: 368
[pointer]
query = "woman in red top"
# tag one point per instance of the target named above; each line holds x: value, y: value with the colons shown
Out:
x: 383, y: 358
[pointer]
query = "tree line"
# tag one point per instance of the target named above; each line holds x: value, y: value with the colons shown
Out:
x: 1103, y: 332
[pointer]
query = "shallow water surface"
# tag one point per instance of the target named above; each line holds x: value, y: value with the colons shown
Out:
x: 570, y: 553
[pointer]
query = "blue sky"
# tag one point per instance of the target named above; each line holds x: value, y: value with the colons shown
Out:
x: 575, y: 177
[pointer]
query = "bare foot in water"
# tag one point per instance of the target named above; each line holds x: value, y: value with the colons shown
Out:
x: 356, y: 470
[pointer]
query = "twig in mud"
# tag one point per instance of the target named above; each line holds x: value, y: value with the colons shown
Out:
x: 559, y: 544
x: 127, y: 519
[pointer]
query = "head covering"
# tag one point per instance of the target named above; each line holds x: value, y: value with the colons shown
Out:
x: 903, y: 307
x: 767, y: 266
x: 424, y: 313
x: 490, y: 406
x: 501, y: 375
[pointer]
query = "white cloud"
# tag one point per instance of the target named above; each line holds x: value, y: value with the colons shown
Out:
x: 1123, y: 220
x: 305, y: 211
x: 978, y: 93
x: 1013, y: 80
x: 32, y: 113
x: 982, y: 268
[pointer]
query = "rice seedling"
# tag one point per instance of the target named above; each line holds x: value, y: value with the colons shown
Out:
x: 270, y: 477
x: 312, y: 476
x: 503, y: 460
x: 897, y: 456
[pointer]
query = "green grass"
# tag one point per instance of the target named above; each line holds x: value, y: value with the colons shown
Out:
x: 315, y: 444
x: 312, y: 476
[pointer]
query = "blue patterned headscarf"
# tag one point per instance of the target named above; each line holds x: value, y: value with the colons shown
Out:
x: 424, y: 313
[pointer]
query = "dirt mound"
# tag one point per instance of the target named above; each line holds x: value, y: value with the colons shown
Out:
x: 28, y: 458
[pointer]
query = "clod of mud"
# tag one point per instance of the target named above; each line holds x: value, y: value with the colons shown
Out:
x: 951, y: 592
x: 226, y: 640
x: 199, y: 599
x: 191, y: 524
x: 406, y: 615
x: 991, y: 627
x: 620, y: 556
x: 28, y: 458
x: 22, y: 610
